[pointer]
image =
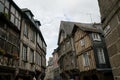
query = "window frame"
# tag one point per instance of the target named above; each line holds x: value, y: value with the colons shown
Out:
x: 82, y: 42
x: 107, y: 29
x: 86, y: 60
x: 24, y: 53
x: 3, y: 7
x: 32, y: 37
x: 96, y: 37
x: 101, y: 56
x: 32, y: 56
x: 38, y: 59
x: 25, y: 31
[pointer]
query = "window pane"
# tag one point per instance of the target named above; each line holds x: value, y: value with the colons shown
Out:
x: 24, y: 55
x: 32, y: 35
x: 85, y: 59
x: 7, y: 3
x: 16, y: 22
x: 101, y: 56
x: 12, y: 18
x: 19, y: 16
x: 16, y: 14
x: 12, y: 10
x: 6, y: 12
x: 25, y: 30
x: 107, y: 29
x: 39, y: 40
x: 19, y: 25
x: 2, y: 34
x: 96, y: 36
x: 1, y: 7
x: 82, y: 42
x: 31, y: 56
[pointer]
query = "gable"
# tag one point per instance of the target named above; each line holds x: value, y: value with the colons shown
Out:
x: 62, y: 36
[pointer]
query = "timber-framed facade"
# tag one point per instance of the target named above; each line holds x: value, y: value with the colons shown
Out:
x: 92, y: 57
x: 20, y: 58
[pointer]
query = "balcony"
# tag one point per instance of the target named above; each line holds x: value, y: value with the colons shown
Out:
x: 8, y: 52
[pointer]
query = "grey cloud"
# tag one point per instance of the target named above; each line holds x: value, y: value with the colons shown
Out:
x: 51, y: 12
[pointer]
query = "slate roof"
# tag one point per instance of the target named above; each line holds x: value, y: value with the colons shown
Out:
x: 27, y: 10
x: 68, y: 27
x: 88, y: 27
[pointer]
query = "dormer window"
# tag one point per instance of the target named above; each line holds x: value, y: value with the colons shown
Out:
x: 96, y: 37
x: 28, y: 14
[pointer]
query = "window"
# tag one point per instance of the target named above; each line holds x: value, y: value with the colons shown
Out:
x: 31, y: 56
x: 39, y: 40
x: 96, y: 36
x: 38, y: 59
x: 17, y: 19
x: 32, y: 35
x: 19, y: 24
x: 43, y: 61
x: 24, y: 53
x: 101, y: 56
x: 16, y: 22
x: 86, y: 59
x: 3, y: 34
x: 44, y: 47
x: 67, y: 44
x: 107, y: 30
x: 6, y: 11
x: 82, y: 42
x: 119, y: 17
x: 12, y: 18
x: 7, y: 3
x: 16, y: 14
x: 25, y: 30
x: 12, y: 10
x: 1, y: 7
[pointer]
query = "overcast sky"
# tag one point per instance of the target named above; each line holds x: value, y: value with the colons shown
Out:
x: 51, y: 12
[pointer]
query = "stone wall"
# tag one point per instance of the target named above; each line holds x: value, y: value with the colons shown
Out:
x: 112, y: 18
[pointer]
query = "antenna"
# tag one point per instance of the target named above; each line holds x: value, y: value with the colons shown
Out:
x: 90, y: 17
